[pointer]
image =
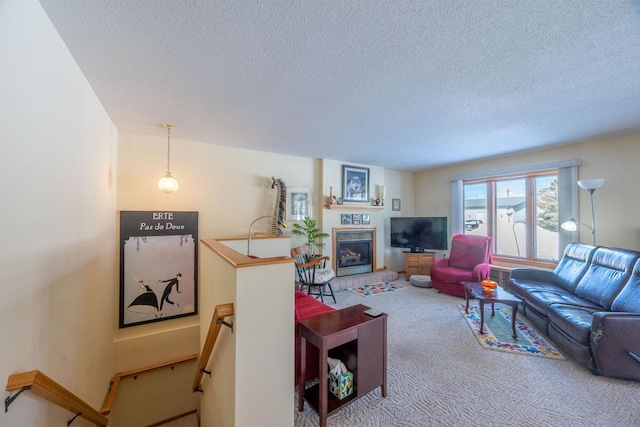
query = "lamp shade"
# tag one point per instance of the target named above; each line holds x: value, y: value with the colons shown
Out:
x: 168, y: 184
x: 570, y: 225
x: 591, y: 184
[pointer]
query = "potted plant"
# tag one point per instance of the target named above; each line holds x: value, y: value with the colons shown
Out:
x: 309, y: 229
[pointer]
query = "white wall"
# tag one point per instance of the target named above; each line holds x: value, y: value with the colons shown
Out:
x: 58, y: 174
x: 614, y: 159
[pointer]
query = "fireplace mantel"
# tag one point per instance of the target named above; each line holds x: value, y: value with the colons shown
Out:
x: 355, y: 207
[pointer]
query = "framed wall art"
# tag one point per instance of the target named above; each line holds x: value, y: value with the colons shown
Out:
x: 395, y: 204
x: 355, y: 184
x: 158, y: 266
x: 366, y: 219
x: 345, y: 219
x: 298, y: 203
x: 355, y: 219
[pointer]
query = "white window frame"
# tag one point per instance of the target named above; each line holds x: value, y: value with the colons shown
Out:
x: 567, y: 195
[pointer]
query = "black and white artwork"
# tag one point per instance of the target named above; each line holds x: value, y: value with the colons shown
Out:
x: 158, y: 266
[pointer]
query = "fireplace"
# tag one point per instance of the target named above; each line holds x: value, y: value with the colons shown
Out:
x: 354, y: 250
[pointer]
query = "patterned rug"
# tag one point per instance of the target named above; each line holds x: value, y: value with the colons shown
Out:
x: 376, y: 289
x: 499, y: 334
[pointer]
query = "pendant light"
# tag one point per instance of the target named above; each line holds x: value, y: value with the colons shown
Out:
x: 167, y: 183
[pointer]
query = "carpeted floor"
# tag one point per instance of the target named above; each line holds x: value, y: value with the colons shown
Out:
x: 439, y: 376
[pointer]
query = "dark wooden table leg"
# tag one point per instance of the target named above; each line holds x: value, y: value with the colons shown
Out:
x: 514, y: 313
x: 324, y: 386
x: 466, y: 296
x: 493, y: 310
x: 481, y: 316
x: 303, y: 372
x: 384, y: 358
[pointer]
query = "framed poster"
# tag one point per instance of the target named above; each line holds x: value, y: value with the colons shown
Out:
x: 158, y: 266
x: 395, y: 204
x: 298, y: 203
x: 355, y: 184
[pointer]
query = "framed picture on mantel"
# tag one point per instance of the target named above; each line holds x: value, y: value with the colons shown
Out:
x: 355, y: 184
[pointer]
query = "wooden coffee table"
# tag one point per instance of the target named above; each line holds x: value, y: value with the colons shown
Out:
x: 358, y: 340
x: 498, y: 295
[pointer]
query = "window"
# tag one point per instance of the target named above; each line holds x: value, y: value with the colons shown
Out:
x: 520, y: 209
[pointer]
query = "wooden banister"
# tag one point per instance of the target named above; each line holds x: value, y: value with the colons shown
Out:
x: 47, y: 388
x: 115, y: 381
x: 219, y: 313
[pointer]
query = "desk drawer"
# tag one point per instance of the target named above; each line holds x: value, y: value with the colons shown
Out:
x: 342, y: 337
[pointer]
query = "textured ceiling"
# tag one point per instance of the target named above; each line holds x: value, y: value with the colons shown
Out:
x: 407, y: 85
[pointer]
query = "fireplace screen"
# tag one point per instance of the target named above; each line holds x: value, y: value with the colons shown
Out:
x: 354, y: 252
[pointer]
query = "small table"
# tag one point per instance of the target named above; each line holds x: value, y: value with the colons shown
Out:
x: 358, y: 340
x: 475, y: 290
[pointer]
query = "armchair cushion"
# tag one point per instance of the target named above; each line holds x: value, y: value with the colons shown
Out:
x: 466, y: 256
x: 323, y: 275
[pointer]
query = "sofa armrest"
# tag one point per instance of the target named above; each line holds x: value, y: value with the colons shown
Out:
x: 615, y: 343
x: 534, y: 275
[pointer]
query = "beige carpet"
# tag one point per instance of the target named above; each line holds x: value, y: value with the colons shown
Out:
x: 440, y: 376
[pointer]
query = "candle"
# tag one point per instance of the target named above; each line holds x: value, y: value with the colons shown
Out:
x: 381, y: 191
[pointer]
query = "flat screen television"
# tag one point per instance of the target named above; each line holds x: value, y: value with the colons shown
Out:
x: 419, y: 233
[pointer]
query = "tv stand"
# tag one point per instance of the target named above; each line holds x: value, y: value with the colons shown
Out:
x: 418, y: 263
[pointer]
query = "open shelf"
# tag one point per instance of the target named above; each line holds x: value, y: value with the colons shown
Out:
x: 355, y: 207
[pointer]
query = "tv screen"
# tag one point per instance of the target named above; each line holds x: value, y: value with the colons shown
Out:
x: 419, y: 233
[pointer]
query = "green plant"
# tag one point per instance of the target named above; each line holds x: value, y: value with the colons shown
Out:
x: 309, y: 229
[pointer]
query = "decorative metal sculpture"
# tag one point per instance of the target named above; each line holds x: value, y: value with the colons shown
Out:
x: 279, y: 209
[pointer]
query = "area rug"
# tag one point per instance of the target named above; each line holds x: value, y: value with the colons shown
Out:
x: 376, y: 289
x: 498, y: 333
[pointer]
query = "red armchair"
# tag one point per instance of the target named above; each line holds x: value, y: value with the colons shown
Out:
x: 468, y: 262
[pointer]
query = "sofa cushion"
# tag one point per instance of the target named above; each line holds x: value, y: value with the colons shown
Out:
x: 606, y: 276
x: 573, y: 265
x: 628, y: 299
x: 519, y: 287
x: 541, y: 300
x: 573, y: 320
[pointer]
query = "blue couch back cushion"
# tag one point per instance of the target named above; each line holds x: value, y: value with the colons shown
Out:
x: 573, y: 265
x: 629, y: 298
x: 609, y: 271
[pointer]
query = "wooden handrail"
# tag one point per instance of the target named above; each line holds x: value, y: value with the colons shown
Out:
x: 219, y: 313
x: 115, y: 381
x: 47, y: 388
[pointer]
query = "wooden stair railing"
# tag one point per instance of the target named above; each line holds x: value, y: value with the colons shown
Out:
x: 115, y: 381
x: 43, y: 386
x: 219, y: 314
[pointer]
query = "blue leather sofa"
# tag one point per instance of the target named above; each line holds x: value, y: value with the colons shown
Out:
x: 589, y: 306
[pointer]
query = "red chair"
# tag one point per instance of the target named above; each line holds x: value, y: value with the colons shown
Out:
x: 468, y: 262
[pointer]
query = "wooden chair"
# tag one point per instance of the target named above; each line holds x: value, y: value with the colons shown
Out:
x: 313, y: 274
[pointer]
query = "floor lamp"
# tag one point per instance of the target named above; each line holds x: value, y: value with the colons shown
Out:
x: 591, y: 185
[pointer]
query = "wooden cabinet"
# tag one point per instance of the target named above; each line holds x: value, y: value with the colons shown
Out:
x: 356, y: 339
x: 418, y: 264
